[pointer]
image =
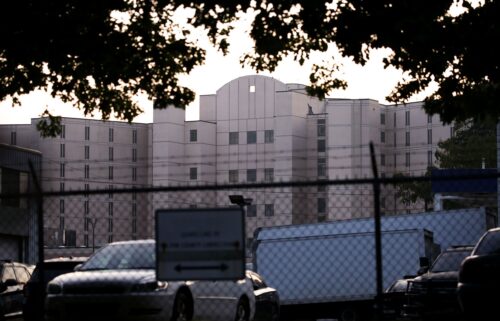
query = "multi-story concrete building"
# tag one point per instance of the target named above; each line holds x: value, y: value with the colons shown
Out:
x: 253, y: 129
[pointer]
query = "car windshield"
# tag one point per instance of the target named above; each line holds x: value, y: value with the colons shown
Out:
x: 449, y: 261
x: 489, y: 244
x: 122, y: 256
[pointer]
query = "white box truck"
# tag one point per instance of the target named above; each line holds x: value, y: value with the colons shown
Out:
x: 328, y: 270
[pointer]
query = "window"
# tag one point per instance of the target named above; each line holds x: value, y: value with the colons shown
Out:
x: 61, y: 224
x: 110, y: 152
x: 382, y: 159
x: 134, y: 155
x: 268, y: 174
x: 233, y: 138
x: 382, y: 137
x: 134, y: 174
x: 110, y: 238
x: 110, y: 172
x: 321, y: 127
x: 13, y: 138
x: 407, y: 159
x: 251, y: 137
x: 87, y: 152
x: 429, y: 119
x: 134, y: 210
x: 134, y: 136
x: 429, y: 136
x: 321, y: 146
x: 61, y: 206
x: 87, y: 172
x: 322, y: 167
x: 110, y: 209
x: 87, y: 133
x: 62, y: 150
x: 321, y: 205
x: 86, y: 240
x: 193, y: 135
x: 252, y: 88
x: 407, y: 139
x: 110, y: 191
x: 61, y: 187
x: 63, y: 132
x: 252, y: 210
x: 269, y: 136
x: 269, y: 210
x: 407, y: 118
x: 62, y: 170
x: 134, y: 225
x: 429, y: 158
x: 395, y: 119
x: 251, y: 175
x: 86, y: 207
x: 233, y: 176
x: 86, y: 187
x: 111, y: 134
x: 193, y: 173
x: 382, y: 119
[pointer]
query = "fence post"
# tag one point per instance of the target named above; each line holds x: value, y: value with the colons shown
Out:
x: 39, y: 200
x: 378, y: 235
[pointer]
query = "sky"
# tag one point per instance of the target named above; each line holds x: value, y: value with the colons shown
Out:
x: 369, y: 81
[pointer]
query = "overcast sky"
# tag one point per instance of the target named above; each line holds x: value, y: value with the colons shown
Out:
x: 370, y: 81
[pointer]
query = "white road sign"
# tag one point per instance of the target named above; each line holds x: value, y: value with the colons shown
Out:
x: 200, y: 244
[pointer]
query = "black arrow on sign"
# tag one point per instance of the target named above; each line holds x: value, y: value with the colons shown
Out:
x: 221, y: 267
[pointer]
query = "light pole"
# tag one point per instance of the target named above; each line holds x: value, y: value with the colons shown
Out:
x: 92, y: 222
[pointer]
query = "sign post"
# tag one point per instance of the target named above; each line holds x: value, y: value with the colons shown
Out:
x: 200, y: 244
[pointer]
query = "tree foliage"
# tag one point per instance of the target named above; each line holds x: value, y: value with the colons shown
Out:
x: 99, y: 54
x: 472, y: 145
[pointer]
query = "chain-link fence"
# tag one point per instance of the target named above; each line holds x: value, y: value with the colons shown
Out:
x: 337, y: 249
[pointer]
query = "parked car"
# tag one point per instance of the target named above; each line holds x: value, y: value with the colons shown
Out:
x: 394, y: 298
x: 34, y: 289
x: 13, y: 276
x: 479, y: 279
x: 119, y: 282
x: 433, y: 294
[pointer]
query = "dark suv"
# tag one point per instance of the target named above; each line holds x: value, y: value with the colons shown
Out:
x: 34, y: 290
x: 479, y: 279
x: 433, y: 294
x: 13, y: 276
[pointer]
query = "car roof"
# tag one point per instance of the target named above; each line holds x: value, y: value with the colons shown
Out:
x: 67, y: 259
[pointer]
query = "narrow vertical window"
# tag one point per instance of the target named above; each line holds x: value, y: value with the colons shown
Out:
x: 269, y: 136
x: 382, y: 137
x: 62, y: 170
x: 407, y: 118
x: 269, y: 210
x: 321, y: 130
x: 429, y: 136
x: 134, y: 155
x: 61, y: 206
x: 321, y: 167
x: 62, y: 150
x: 321, y: 146
x: 111, y: 154
x: 193, y: 173
x: 382, y: 119
x: 87, y: 152
x: 134, y: 136
x: 268, y: 174
x: 429, y: 158
x: 110, y: 191
x: 395, y: 118
x: 407, y: 139
x: 193, y: 135
x: 86, y: 172
x: 111, y: 134
x: 63, y: 132
x: 61, y: 187
x: 321, y: 206
x: 87, y: 133
x: 13, y: 138
x: 382, y: 159
x: 134, y: 174
x: 110, y: 173
x: 407, y: 159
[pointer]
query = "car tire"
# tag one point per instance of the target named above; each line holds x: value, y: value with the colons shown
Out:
x: 242, y: 310
x: 183, y: 307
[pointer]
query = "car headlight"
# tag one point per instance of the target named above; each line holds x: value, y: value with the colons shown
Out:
x: 149, y: 286
x: 417, y: 287
x: 54, y: 288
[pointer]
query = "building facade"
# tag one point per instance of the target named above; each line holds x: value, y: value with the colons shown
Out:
x: 254, y: 129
